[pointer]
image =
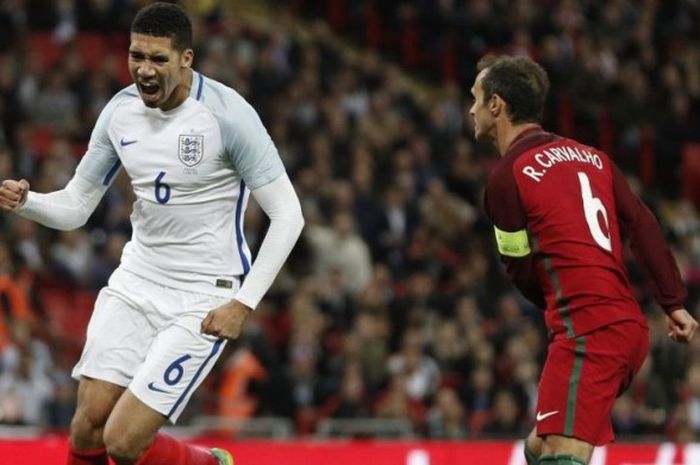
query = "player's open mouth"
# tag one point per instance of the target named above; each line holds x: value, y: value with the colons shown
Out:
x: 149, y: 91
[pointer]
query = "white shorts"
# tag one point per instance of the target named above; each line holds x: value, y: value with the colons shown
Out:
x: 146, y: 337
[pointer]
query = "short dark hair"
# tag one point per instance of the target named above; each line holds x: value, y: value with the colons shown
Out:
x: 161, y: 19
x: 519, y: 81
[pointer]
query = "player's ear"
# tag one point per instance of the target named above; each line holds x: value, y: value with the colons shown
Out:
x: 496, y: 105
x: 186, y: 58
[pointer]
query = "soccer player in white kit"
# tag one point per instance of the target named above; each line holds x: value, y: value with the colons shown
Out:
x: 194, y: 151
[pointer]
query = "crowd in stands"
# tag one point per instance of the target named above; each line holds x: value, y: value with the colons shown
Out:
x: 393, y: 304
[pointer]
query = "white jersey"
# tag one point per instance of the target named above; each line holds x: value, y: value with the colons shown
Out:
x: 191, y: 169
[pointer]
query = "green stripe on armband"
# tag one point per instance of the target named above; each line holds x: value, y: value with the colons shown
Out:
x: 512, y: 244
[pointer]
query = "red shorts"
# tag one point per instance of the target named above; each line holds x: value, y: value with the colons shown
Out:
x: 583, y: 376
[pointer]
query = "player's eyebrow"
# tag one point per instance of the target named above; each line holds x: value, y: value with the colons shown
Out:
x: 157, y: 57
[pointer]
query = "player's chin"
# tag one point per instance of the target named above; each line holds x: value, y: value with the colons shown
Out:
x: 149, y: 100
x: 482, y: 136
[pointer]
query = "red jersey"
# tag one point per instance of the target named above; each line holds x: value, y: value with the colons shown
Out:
x: 560, y: 208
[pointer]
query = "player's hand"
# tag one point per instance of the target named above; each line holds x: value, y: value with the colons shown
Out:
x: 13, y: 194
x: 681, y: 325
x: 226, y: 321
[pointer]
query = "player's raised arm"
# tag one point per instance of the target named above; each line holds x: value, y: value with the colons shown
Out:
x: 65, y: 209
x: 70, y: 207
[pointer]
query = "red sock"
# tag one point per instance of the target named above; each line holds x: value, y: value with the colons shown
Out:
x: 86, y: 456
x: 167, y: 450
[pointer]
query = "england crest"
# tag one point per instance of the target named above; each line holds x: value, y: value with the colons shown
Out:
x: 190, y: 149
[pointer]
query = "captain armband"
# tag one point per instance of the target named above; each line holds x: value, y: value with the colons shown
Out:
x: 512, y: 244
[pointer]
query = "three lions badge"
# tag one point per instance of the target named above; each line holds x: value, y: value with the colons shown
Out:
x: 190, y: 149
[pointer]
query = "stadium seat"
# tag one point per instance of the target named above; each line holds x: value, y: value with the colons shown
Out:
x: 47, y: 47
x: 69, y: 312
x: 42, y: 140
x: 92, y: 47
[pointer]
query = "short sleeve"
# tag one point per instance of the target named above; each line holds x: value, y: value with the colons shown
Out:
x: 249, y: 145
x: 502, y: 200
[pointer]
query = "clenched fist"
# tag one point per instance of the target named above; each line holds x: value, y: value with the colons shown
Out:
x: 681, y: 326
x: 13, y: 194
x: 226, y: 321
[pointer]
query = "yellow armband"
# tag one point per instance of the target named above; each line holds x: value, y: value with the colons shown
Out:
x: 512, y: 244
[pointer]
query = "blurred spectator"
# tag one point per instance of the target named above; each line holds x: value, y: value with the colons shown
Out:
x: 26, y: 387
x: 369, y: 344
x: 394, y: 403
x: 234, y: 400
x: 72, y: 256
x: 351, y: 400
x: 420, y: 372
x: 339, y: 249
x: 505, y: 419
x: 447, y: 419
x: 692, y: 403
x: 55, y: 105
x: 24, y: 393
x: 16, y: 310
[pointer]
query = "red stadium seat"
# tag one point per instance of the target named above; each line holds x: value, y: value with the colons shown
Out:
x: 47, y: 47
x: 92, y: 46
x: 373, y: 25
x: 337, y: 14
x: 69, y: 311
x: 42, y: 140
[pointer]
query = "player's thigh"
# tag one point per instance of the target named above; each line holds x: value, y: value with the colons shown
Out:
x: 177, y: 362
x: 581, y: 379
x: 636, y: 337
x: 119, y: 333
x: 131, y: 427
x: 96, y: 399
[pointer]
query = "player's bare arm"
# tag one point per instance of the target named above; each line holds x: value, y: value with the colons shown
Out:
x: 13, y: 194
x: 681, y: 325
x: 227, y: 320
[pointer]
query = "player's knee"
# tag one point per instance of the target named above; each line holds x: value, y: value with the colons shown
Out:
x: 556, y: 447
x: 86, y: 429
x: 122, y: 448
x: 532, y: 448
x: 530, y: 457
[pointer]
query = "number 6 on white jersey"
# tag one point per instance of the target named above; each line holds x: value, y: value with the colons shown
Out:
x: 591, y: 207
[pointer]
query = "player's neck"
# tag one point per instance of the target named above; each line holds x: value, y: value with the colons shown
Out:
x: 508, y: 132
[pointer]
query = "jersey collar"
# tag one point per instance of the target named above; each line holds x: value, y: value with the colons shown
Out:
x: 529, y: 137
x: 197, y: 86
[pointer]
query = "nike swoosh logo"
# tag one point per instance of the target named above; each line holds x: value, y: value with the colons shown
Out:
x: 542, y: 416
x: 155, y: 388
x: 124, y: 142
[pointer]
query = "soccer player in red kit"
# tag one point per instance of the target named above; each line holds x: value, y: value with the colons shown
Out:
x: 560, y: 210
